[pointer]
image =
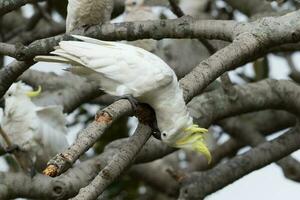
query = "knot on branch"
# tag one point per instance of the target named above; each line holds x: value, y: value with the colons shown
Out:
x: 59, y: 190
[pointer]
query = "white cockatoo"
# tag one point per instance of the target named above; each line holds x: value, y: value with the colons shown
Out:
x: 87, y: 13
x: 122, y: 69
x: 135, y: 10
x: 40, y: 132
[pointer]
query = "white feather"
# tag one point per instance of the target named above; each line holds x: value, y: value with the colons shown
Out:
x: 115, y: 64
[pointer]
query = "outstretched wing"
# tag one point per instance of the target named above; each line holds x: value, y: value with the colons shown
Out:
x: 52, y: 130
x: 53, y: 117
x: 51, y: 134
x: 119, y: 68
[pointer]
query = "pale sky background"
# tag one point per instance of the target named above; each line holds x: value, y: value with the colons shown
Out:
x: 267, y: 183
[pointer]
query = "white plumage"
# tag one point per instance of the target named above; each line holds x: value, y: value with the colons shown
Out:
x: 122, y: 69
x: 87, y: 12
x: 39, y: 131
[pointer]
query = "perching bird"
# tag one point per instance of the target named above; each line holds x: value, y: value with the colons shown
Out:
x: 40, y: 132
x: 84, y: 13
x: 135, y: 10
x: 122, y: 69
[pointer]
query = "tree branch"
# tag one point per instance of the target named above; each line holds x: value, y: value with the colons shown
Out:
x: 247, y: 133
x: 198, y: 185
x: 116, y: 166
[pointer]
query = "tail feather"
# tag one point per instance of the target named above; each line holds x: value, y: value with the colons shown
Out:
x: 56, y: 59
x: 59, y: 58
x: 73, y: 60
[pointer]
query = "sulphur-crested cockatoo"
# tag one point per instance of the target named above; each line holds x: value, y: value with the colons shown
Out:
x: 40, y: 132
x: 87, y: 12
x: 135, y: 10
x: 122, y: 69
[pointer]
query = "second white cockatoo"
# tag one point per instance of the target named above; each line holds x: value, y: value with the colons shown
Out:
x: 40, y: 132
x: 83, y: 13
x: 121, y: 69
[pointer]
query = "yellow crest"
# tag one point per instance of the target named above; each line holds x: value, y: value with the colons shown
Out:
x: 34, y: 93
x: 195, y: 141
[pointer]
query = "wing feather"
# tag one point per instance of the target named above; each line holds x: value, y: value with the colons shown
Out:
x: 53, y: 116
x: 121, y: 68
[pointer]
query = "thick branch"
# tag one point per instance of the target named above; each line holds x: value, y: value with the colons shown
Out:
x: 268, y: 94
x: 185, y: 27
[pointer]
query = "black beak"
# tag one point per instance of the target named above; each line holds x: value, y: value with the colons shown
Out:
x: 2, y: 102
x: 156, y: 133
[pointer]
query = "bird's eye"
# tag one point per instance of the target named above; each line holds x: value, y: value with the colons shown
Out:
x: 9, y: 94
x: 164, y: 134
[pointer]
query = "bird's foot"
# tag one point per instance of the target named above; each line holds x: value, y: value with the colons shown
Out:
x: 12, y: 148
x: 146, y: 115
x: 134, y: 103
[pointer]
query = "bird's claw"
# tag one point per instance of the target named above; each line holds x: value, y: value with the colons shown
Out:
x: 133, y: 102
x: 145, y: 114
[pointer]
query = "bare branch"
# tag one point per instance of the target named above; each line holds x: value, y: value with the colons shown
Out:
x: 247, y: 133
x: 198, y: 185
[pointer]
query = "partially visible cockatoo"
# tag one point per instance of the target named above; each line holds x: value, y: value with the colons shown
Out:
x: 135, y: 10
x: 87, y: 13
x: 40, y: 132
x: 122, y: 69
